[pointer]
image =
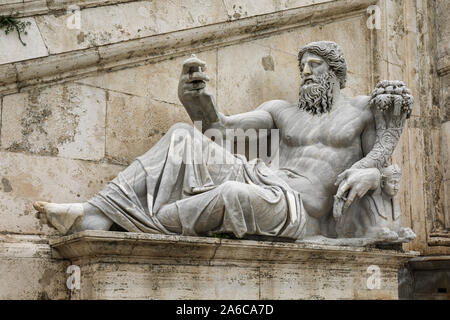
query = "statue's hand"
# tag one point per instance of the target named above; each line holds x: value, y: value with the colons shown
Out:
x: 192, y: 80
x: 219, y: 125
x: 356, y: 182
x: 394, y: 93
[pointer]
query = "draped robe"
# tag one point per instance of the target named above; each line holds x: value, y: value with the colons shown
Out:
x: 187, y: 184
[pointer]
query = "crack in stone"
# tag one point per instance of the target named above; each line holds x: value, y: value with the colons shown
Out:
x: 215, y: 251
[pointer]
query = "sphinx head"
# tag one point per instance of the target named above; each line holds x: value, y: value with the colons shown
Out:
x: 323, y: 70
x: 390, y: 179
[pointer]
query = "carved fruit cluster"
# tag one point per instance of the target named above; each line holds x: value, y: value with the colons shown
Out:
x: 392, y: 93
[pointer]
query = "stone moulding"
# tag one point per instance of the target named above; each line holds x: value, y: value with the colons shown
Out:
x: 25, y: 246
x: 81, y: 63
x: 96, y: 244
x: 145, y: 266
x: 28, y: 8
x: 439, y: 239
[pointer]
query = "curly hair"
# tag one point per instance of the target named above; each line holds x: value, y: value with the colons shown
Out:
x: 392, y: 170
x: 332, y: 53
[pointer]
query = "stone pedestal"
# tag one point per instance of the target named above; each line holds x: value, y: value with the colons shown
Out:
x: 426, y: 278
x: 119, y: 265
x: 30, y: 269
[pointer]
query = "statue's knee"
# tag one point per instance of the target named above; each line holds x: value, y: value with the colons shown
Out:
x: 181, y: 129
x: 181, y: 126
x: 234, y: 188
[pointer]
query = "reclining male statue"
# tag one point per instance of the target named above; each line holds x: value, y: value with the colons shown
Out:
x: 331, y: 150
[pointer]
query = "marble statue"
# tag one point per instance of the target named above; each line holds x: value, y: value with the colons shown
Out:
x: 333, y: 151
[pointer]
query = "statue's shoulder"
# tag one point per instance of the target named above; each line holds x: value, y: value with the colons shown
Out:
x: 364, y: 110
x: 360, y: 102
x: 275, y: 106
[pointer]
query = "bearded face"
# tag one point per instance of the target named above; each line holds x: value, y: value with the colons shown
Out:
x: 316, y: 93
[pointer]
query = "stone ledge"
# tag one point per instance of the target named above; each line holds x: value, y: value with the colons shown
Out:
x: 430, y: 262
x: 25, y: 246
x: 30, y: 269
x: 182, y: 249
x: 28, y: 8
x: 119, y: 265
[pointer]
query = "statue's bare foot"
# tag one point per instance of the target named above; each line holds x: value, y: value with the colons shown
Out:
x: 61, y: 216
x: 387, y: 234
x: 406, y: 234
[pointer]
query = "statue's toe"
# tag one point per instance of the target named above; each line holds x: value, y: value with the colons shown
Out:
x: 41, y: 213
x: 40, y: 206
x: 387, y: 234
x: 407, y: 234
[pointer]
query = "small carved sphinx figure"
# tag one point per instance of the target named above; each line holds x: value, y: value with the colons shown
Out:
x: 377, y: 215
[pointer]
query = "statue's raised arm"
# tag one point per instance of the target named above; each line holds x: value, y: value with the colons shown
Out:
x: 201, y: 107
x: 198, y: 103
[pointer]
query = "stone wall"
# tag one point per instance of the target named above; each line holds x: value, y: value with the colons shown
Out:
x: 77, y: 105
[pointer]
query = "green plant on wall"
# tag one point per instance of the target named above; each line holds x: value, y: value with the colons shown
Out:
x: 10, y: 23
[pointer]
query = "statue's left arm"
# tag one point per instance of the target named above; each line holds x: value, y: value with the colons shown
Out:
x: 391, y: 104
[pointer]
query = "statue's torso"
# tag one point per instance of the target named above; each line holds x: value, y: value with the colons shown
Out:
x: 315, y: 149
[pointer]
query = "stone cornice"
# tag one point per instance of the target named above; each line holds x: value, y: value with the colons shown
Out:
x: 107, y: 245
x: 430, y: 262
x: 441, y: 238
x: 81, y: 63
x: 24, y: 246
x: 27, y: 8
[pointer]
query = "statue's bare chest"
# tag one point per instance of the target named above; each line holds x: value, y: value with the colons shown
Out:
x: 340, y: 128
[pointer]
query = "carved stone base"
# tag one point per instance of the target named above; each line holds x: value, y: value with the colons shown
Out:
x: 119, y: 265
x: 425, y: 278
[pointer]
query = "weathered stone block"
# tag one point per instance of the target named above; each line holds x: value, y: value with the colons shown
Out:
x: 445, y: 98
x: 135, y: 124
x: 241, y: 9
x: 446, y: 203
x: 11, y: 1
x: 13, y: 50
x: 395, y: 30
x: 65, y: 120
x: 349, y: 32
x: 157, y: 80
x: 245, y: 83
x: 99, y: 26
x: 9, y: 74
x: 143, y: 266
x: 29, y: 271
x: 443, y: 29
x: 445, y: 148
x: 416, y: 186
x: 26, y: 178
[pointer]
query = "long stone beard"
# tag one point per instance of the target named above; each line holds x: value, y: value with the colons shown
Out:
x: 317, y: 96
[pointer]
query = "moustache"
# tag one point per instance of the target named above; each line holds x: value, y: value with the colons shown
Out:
x: 313, y: 80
